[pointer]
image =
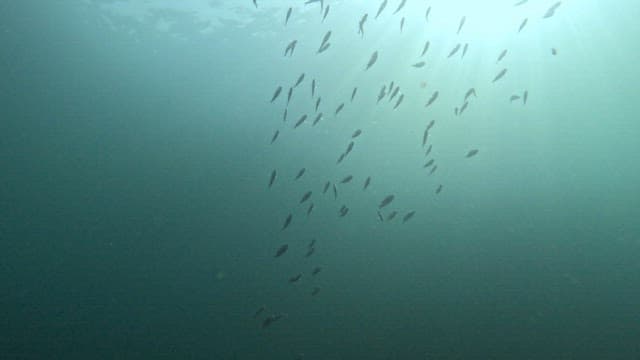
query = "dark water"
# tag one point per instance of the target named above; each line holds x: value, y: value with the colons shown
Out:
x: 136, y: 222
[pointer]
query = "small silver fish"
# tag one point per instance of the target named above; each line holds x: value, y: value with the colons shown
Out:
x: 425, y: 48
x: 300, y: 121
x: 326, y: 12
x: 318, y: 102
x: 454, y: 50
x: 401, y: 24
x: 472, y: 153
x: 306, y: 196
x: 514, y: 98
x: 500, y: 75
x: 408, y: 216
x: 287, y: 222
x: 419, y: 64
x: 361, y: 24
x: 272, y: 178
x: 346, y: 179
x: 461, y: 24
x: 367, y: 181
x: 349, y: 147
x: 386, y: 201
x: 353, y: 93
x: 289, y: 94
x: 286, y: 19
x: 439, y: 189
x: 428, y: 163
x: 381, y: 7
x: 426, y: 14
x: 310, y: 209
x: 372, y: 60
x: 275, y: 136
x: 339, y: 108
x: 522, y: 25
x: 464, y: 50
x: 356, y: 133
x: 525, y: 95
x: 502, y: 55
x: 326, y: 187
x: 433, y: 98
x: 300, y: 78
x: 276, y: 93
x: 402, y: 3
x: 313, y: 88
x: 289, y: 49
x: 392, y: 215
x: 463, y: 107
x: 281, y: 250
x: 318, y: 118
x: 300, y: 173
x: 470, y: 92
x: 552, y: 10
x: 399, y: 101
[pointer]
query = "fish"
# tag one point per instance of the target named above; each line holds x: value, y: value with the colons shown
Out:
x: 295, y: 278
x: 284, y: 114
x: 325, y: 39
x: 500, y: 75
x: 430, y: 125
x: 275, y: 136
x: 433, y: 169
x: 281, y: 250
x: 523, y: 24
x: 367, y: 181
x: 408, y: 216
x: 401, y: 24
x: 426, y: 14
x: 286, y: 19
x: 554, y: 52
x: 382, y: 93
x: 300, y: 121
x: 287, y: 222
x: 353, y: 93
x: 439, y: 189
x: 306, y: 196
x: 313, y: 88
x: 394, y: 93
x: 461, y: 24
x: 318, y: 102
x: 471, y: 91
x: 525, y: 95
x: 514, y: 98
x: 392, y: 215
x: 425, y: 136
x: 339, y: 108
x: 344, y: 211
x: 326, y: 187
x: 289, y: 94
x: 380, y: 216
x: 361, y: 24
x: 520, y: 2
x: 271, y: 319
x: 315, y: 291
x: 428, y: 163
x: 340, y: 158
x: 272, y: 178
x: 399, y: 101
x: 372, y: 60
x: 346, y: 179
x: 289, y: 49
x: 455, y: 111
x: 316, y: 271
x: 310, y: 209
x: 463, y: 107
x: 310, y: 252
x: 402, y: 3
x: 326, y: 12
x: 300, y: 173
x: 356, y: 133
x: 299, y: 81
x: 464, y: 50
x: 349, y: 147
x: 255, y: 3
x: 502, y: 55
x: 313, y: 242
x: 428, y: 150
x: 391, y: 85
x: 335, y: 191
x: 318, y: 118
x: 454, y: 50
x: 259, y: 311
x: 419, y: 64
x: 323, y: 48
x: 552, y: 10
x: 383, y: 4
x: 276, y: 93
x: 433, y: 98
x: 386, y: 201
x: 472, y: 153
x: 425, y: 48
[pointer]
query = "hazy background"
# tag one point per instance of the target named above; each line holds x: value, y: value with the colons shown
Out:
x: 135, y: 220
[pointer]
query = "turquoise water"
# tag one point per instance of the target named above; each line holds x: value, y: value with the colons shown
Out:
x: 136, y: 220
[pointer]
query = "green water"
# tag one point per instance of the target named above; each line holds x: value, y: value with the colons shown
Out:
x: 136, y: 221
